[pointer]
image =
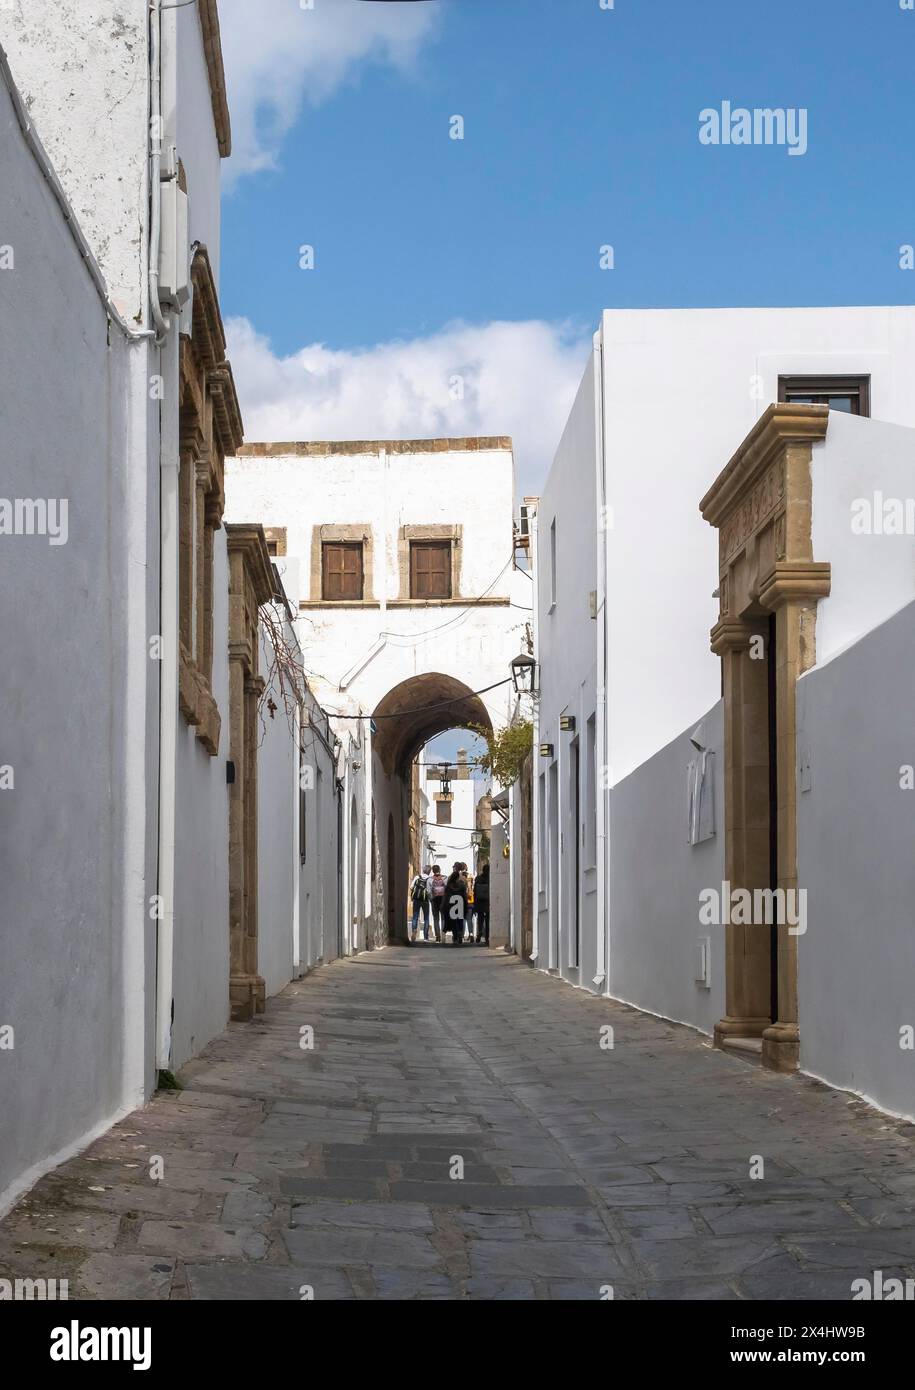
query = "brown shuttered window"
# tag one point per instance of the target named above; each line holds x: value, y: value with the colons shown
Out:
x: 443, y: 812
x: 341, y: 563
x: 430, y: 569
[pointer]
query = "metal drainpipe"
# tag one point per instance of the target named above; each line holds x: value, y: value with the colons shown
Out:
x: 537, y: 865
x: 601, y: 827
x: 155, y: 165
x: 168, y: 576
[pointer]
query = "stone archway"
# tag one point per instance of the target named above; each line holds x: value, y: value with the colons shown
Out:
x: 406, y: 718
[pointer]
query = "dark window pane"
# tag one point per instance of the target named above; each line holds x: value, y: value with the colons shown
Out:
x: 850, y: 394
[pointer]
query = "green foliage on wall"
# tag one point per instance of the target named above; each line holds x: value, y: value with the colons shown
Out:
x: 505, y: 750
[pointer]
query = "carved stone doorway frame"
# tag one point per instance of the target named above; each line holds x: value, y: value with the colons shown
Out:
x: 761, y: 505
x: 251, y: 583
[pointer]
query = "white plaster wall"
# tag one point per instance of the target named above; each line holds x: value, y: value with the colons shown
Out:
x: 680, y: 391
x: 201, y: 943
x: 467, y: 486
x: 567, y: 656
x: 354, y: 656
x: 679, y: 398
x: 656, y: 877
x: 872, y: 575
x: 277, y: 853
x: 83, y: 69
x: 196, y: 134
x: 856, y: 962
x: 500, y: 885
x: 72, y: 911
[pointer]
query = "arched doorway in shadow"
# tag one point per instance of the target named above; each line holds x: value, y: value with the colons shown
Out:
x: 409, y: 715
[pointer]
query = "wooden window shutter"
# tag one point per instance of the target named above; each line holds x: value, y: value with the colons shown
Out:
x: 430, y: 569
x: 342, y: 570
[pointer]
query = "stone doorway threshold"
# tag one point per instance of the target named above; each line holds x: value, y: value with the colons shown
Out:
x: 750, y: 1049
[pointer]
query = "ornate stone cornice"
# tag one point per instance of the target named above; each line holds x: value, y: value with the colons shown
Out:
x: 226, y: 411
x: 248, y: 540
x: 778, y: 426
x: 209, y: 335
x: 730, y: 635
x: 212, y: 47
x: 206, y: 374
x: 799, y: 579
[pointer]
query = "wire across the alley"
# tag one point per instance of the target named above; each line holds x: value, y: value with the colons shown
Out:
x: 424, y: 709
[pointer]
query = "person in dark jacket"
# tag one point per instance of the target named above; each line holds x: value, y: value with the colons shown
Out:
x: 456, y: 904
x: 481, y: 903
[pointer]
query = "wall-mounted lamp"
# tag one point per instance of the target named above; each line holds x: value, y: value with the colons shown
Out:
x: 567, y: 723
x: 524, y: 674
x: 546, y: 750
x: 476, y: 838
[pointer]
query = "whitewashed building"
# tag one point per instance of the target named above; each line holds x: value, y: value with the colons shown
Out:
x: 144, y: 774
x: 404, y: 552
x: 654, y: 779
x: 450, y: 812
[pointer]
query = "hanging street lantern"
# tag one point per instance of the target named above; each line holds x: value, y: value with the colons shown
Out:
x: 524, y: 674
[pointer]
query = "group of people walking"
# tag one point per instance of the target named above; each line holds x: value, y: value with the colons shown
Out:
x: 458, y: 904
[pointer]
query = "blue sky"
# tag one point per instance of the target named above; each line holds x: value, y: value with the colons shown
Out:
x: 581, y: 129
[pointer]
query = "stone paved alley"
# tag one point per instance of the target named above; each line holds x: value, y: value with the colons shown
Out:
x: 284, y: 1167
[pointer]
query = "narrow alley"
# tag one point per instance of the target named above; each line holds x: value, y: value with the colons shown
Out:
x: 431, y: 1124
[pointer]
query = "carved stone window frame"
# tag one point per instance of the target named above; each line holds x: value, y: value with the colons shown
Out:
x: 433, y: 532
x: 276, y: 537
x: 210, y: 428
x: 351, y: 533
x: 252, y: 583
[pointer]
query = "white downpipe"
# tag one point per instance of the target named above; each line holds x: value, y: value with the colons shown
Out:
x: 155, y: 160
x: 536, y: 839
x: 297, y: 968
x: 363, y: 661
x: 601, y: 741
x: 168, y: 580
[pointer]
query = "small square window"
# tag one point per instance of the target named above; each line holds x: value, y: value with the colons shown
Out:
x: 430, y: 569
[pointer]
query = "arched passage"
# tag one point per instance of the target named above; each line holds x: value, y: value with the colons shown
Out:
x: 405, y: 719
x: 419, y: 708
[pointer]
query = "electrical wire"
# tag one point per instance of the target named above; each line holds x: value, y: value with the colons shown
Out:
x: 413, y: 637
x: 424, y: 709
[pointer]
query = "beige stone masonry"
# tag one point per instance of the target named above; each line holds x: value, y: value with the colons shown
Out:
x: 761, y: 507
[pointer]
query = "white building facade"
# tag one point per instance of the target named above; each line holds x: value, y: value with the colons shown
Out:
x: 145, y: 773
x: 638, y: 771
x: 404, y: 553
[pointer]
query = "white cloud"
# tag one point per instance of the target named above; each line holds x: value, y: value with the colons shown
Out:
x: 279, y: 55
x: 516, y: 378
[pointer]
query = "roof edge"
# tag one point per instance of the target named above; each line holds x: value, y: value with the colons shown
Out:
x: 319, y: 448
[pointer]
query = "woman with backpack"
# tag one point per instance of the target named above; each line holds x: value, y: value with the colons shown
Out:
x: 456, y: 904
x: 419, y: 897
x: 437, y: 884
